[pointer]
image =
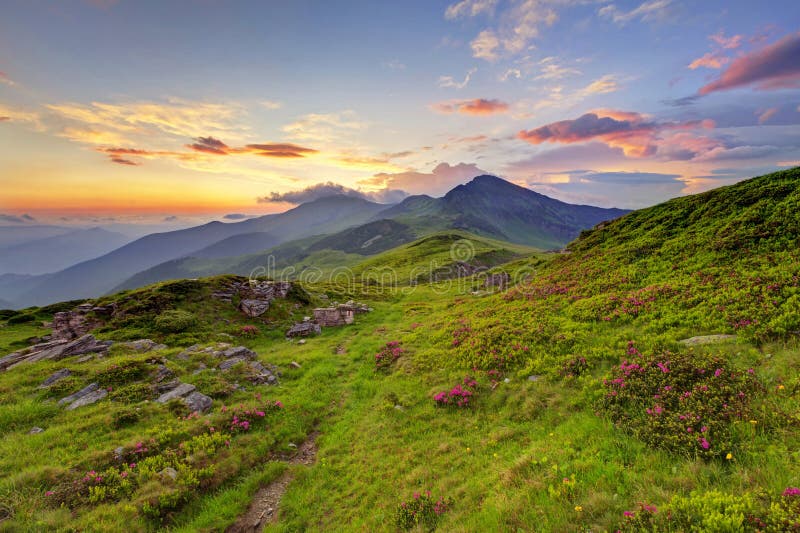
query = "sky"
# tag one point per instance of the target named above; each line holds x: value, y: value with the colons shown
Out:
x: 146, y: 110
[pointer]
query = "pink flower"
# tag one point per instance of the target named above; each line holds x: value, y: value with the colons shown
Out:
x: 791, y: 491
x: 49, y: 493
x: 132, y: 465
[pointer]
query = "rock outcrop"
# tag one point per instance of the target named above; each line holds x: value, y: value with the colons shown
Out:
x: 69, y: 325
x: 55, y: 351
x: 254, y: 296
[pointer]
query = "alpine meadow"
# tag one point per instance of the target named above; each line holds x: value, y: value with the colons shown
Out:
x: 472, y: 266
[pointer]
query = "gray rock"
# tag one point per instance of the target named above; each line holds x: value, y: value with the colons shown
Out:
x: 239, y: 351
x: 169, y: 472
x: 706, y: 339
x: 55, y: 376
x: 35, y: 430
x: 294, y: 364
x: 304, y: 329
x: 233, y: 361
x: 144, y: 345
x: 180, y: 391
x: 80, y: 394
x: 198, y: 402
x: 254, y: 308
x: 533, y: 378
x: 88, y: 399
x: 301, y: 341
x: 162, y: 373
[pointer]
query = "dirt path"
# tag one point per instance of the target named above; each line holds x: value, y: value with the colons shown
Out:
x: 264, y: 507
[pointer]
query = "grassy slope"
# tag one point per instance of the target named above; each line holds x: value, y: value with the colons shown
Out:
x: 653, y: 277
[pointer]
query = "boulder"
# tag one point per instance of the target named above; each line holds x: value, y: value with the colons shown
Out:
x: 83, y: 392
x: 198, y: 402
x: 35, y: 430
x: 304, y: 329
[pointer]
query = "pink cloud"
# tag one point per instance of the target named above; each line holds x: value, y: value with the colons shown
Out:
x: 634, y: 133
x: 774, y: 67
x: 475, y: 106
x: 734, y: 41
x: 764, y: 116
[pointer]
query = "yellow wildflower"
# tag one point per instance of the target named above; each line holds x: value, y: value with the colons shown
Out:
x: 578, y: 508
x: 729, y: 456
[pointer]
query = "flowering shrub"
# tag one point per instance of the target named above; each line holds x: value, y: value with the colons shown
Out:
x: 242, y: 418
x: 421, y: 510
x: 641, y: 519
x: 684, y: 403
x: 386, y: 357
x: 248, y: 331
x: 577, y: 366
x: 458, y: 396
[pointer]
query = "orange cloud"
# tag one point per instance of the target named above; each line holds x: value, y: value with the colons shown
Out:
x: 709, y: 60
x: 634, y: 133
x: 773, y: 67
x: 475, y: 106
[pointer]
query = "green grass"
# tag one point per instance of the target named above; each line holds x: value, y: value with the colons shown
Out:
x: 504, y: 460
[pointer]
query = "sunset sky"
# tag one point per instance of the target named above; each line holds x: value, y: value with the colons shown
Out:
x: 181, y: 108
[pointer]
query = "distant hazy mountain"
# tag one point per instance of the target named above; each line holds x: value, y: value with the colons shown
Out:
x: 18, y: 234
x: 494, y: 207
x: 238, y: 245
x: 51, y: 254
x: 97, y: 276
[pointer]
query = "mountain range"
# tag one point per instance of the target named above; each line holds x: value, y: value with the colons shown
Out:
x: 324, y: 230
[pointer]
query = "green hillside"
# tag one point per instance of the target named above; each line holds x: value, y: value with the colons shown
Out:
x: 647, y: 379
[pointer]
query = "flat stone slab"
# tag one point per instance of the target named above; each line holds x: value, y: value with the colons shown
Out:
x: 80, y: 394
x: 178, y: 392
x: 88, y: 399
x: 55, y: 376
x: 706, y: 339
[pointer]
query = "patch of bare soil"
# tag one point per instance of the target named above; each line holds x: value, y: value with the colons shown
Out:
x: 264, y: 507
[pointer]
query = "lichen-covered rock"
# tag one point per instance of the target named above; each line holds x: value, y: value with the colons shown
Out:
x: 197, y: 402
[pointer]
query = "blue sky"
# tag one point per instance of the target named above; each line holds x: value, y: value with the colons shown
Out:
x: 206, y: 106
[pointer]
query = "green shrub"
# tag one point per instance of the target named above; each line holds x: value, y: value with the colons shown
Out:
x: 174, y: 321
x: 125, y: 417
x: 134, y: 393
x: 122, y: 373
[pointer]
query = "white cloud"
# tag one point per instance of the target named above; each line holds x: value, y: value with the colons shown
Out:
x: 271, y: 104
x: 469, y: 8
x: 511, y: 73
x: 551, y: 70
x: 649, y: 11
x: 324, y: 127
x: 485, y: 46
x: 448, y: 81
